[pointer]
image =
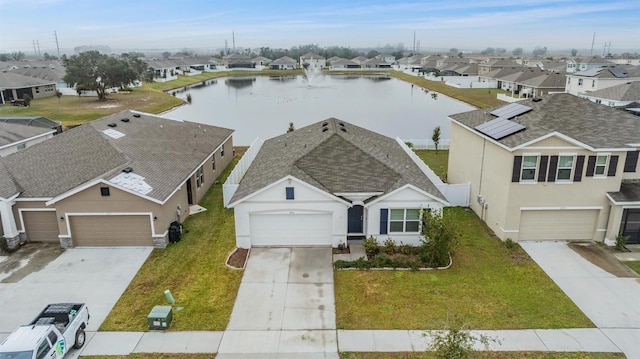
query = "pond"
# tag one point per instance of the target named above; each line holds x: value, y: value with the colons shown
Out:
x: 263, y: 106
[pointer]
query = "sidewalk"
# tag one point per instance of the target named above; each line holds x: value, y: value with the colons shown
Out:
x: 327, y: 343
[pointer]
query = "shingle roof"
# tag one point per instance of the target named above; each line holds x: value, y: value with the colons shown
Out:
x: 163, y: 151
x: 547, y: 80
x: 337, y: 157
x: 570, y: 115
x: 311, y: 55
x: 629, y: 91
x: 12, y: 132
x: 11, y: 81
x: 284, y: 60
x: 8, y: 186
x: 629, y: 191
x: 36, y: 121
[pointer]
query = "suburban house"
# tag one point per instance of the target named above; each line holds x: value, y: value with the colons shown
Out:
x: 326, y: 183
x: 541, y: 169
x: 342, y: 64
x: 117, y: 181
x: 544, y: 84
x: 581, y: 82
x: 14, y: 87
x: 588, y: 63
x: 261, y: 61
x: 375, y: 63
x: 616, y: 96
x: 163, y: 70
x: 626, y: 59
x: 311, y: 60
x: 386, y: 58
x: 359, y: 59
x: 52, y: 71
x: 283, y: 63
x: 238, y: 61
x: 36, y: 121
x: 484, y: 68
x: 15, y: 137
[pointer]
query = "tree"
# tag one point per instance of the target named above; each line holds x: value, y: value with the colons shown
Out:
x: 539, y: 51
x: 373, y: 53
x: 48, y: 57
x: 500, y: 50
x: 435, y: 137
x: 98, y: 72
x: 453, y: 51
x: 166, y: 54
x: 488, y: 51
x: 58, y: 95
x: 438, y: 238
x: 517, y: 51
x: 574, y: 52
x: 27, y: 99
x: 291, y: 127
x: 17, y: 55
x: 5, y: 57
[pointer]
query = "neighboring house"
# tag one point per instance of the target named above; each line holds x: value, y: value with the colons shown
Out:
x: 386, y: 58
x: 627, y: 59
x: 283, y: 63
x: 594, y: 79
x: 323, y: 184
x: 163, y: 70
x: 235, y: 61
x: 261, y: 61
x: 117, y: 181
x: 359, y: 60
x: 14, y: 87
x: 484, y: 68
x: 15, y: 137
x: 332, y: 59
x: 542, y: 85
x: 311, y: 60
x: 36, y: 121
x: 556, y: 168
x: 585, y: 64
x: 375, y: 63
x: 342, y: 64
x: 616, y: 96
x: 52, y: 71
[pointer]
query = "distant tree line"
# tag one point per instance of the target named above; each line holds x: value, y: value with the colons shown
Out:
x: 345, y: 52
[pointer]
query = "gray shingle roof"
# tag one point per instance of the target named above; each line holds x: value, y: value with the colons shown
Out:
x: 11, y: 81
x: 595, y: 125
x: 163, y: 151
x: 629, y: 91
x: 629, y: 192
x: 36, y: 121
x: 547, y: 80
x: 8, y: 186
x: 335, y: 160
x: 284, y: 60
x: 12, y: 132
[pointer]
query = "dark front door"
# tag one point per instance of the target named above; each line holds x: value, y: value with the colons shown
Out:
x: 189, y: 192
x: 355, y: 216
x: 631, y: 225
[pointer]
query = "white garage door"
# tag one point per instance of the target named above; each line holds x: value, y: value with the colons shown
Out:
x: 291, y: 229
x: 557, y: 225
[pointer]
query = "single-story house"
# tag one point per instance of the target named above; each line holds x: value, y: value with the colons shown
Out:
x: 283, y: 63
x: 326, y: 183
x: 117, y: 181
x: 15, y: 137
x: 553, y: 168
x: 341, y: 64
x: 238, y: 61
x: 261, y: 61
x: 616, y: 96
x: 36, y: 121
x: 15, y: 87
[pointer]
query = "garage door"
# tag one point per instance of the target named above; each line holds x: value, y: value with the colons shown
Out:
x: 291, y: 230
x: 111, y: 231
x: 557, y: 225
x: 41, y: 226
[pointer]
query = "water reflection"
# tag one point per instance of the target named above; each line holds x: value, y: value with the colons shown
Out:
x: 263, y: 106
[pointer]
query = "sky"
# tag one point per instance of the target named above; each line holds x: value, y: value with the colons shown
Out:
x: 205, y: 25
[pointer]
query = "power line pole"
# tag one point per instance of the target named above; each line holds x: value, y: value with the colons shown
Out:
x: 593, y: 42
x: 34, y: 47
x: 38, y: 44
x: 233, y: 36
x: 55, y: 33
x: 414, y: 42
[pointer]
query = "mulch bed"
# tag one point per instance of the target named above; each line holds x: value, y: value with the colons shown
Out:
x: 238, y: 258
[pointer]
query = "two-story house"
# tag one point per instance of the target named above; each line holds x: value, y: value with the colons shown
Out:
x: 553, y: 168
x: 311, y: 60
x: 594, y: 79
x: 587, y: 63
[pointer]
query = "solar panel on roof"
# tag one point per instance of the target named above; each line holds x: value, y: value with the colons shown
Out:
x: 500, y: 128
x: 619, y: 73
x: 511, y: 110
x: 591, y: 72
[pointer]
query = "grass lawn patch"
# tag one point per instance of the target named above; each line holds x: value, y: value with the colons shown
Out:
x: 150, y: 356
x: 635, y: 265
x: 193, y: 269
x: 74, y: 110
x: 488, y: 287
x: 481, y: 98
x: 486, y: 355
x: 437, y: 161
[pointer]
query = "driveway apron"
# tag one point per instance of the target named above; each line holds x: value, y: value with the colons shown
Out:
x: 610, y: 302
x: 285, y: 304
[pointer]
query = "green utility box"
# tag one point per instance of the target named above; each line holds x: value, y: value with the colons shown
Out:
x: 160, y: 317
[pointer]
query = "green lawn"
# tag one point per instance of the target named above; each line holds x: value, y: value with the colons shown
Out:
x: 193, y: 269
x: 487, y: 355
x: 438, y: 161
x: 150, y: 356
x: 488, y: 287
x: 635, y: 265
x: 481, y: 98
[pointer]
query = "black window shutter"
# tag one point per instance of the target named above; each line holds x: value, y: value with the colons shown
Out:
x: 591, y: 166
x: 577, y: 176
x: 517, y: 165
x: 290, y: 193
x: 613, y: 165
x: 631, y: 162
x: 542, y: 172
x: 384, y: 217
x: 553, y: 166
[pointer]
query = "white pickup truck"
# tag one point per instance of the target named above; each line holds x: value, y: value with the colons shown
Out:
x: 50, y: 335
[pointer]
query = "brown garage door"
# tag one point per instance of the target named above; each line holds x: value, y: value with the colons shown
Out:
x: 41, y: 226
x: 111, y: 231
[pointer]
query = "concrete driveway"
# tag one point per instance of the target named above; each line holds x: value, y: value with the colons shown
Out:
x: 285, y: 304
x: 96, y: 276
x: 610, y: 302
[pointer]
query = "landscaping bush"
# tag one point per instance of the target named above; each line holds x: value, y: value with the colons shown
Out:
x: 371, y: 246
x: 621, y: 241
x: 389, y: 247
x: 4, y: 247
x: 439, y: 237
x: 510, y: 244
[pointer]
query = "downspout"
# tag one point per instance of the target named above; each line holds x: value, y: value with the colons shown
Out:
x: 484, y: 143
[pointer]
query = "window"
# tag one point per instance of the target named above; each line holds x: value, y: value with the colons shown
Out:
x: 290, y: 193
x: 43, y: 350
x: 601, y: 165
x: 565, y: 167
x: 529, y: 166
x: 404, y: 220
x: 199, y: 177
x: 593, y: 83
x: 213, y: 162
x: 53, y: 338
x: 568, y: 80
x: 579, y: 82
x: 104, y: 191
x: 222, y: 151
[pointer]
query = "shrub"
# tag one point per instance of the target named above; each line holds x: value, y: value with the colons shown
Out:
x: 371, y: 247
x: 389, y: 247
x: 439, y: 237
x: 4, y: 246
x: 510, y: 244
x: 456, y: 343
x: 382, y: 260
x: 621, y: 241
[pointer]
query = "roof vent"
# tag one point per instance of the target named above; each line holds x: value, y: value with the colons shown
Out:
x: 343, y: 129
x: 536, y: 99
x: 124, y: 120
x: 136, y: 115
x: 325, y: 129
x: 127, y: 170
x: 341, y: 124
x: 112, y: 125
x: 325, y: 124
